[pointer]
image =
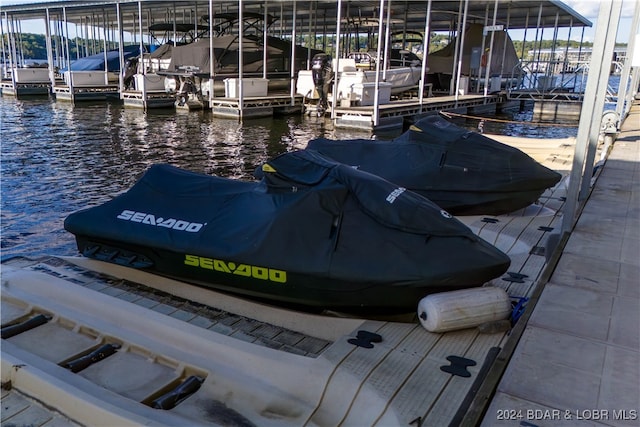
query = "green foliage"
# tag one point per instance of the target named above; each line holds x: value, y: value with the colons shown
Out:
x: 546, y: 44
x: 437, y: 41
x: 34, y: 46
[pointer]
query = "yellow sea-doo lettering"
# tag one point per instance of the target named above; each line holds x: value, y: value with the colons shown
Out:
x: 254, y: 271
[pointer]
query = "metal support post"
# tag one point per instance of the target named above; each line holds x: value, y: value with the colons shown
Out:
x: 589, y: 125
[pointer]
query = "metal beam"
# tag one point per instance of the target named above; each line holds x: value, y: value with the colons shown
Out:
x: 592, y: 106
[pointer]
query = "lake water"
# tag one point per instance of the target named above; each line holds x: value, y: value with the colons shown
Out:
x: 57, y: 158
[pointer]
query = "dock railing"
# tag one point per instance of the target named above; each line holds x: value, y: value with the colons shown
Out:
x: 548, y: 79
x: 554, y: 80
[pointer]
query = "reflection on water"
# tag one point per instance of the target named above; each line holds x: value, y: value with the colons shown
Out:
x: 519, y: 123
x: 57, y: 158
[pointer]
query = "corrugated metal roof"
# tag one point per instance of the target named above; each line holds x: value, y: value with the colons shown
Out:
x: 321, y: 14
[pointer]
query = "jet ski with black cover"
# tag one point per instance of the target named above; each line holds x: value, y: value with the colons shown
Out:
x: 313, y: 233
x: 462, y: 171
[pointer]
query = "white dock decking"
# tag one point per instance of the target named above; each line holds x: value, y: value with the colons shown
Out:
x: 265, y: 366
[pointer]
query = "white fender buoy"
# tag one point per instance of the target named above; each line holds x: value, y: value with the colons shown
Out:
x: 466, y: 308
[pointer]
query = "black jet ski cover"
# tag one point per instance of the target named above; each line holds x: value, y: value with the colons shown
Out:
x: 462, y: 171
x: 312, y: 232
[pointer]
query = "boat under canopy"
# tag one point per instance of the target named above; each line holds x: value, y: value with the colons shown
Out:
x: 96, y: 62
x: 189, y: 70
x: 312, y: 233
x: 195, y: 58
x: 186, y: 32
x: 462, y: 171
x: 473, y: 63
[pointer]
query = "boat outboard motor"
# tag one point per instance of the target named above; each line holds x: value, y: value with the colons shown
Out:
x: 130, y: 69
x: 322, y: 77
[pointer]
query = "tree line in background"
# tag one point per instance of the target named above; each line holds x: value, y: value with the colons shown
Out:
x: 546, y: 44
x: 34, y: 45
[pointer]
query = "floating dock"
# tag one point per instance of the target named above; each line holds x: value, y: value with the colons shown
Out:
x: 148, y: 100
x: 79, y: 94
x: 395, y: 113
x: 26, y: 82
x: 20, y: 90
x: 250, y: 358
x: 255, y: 106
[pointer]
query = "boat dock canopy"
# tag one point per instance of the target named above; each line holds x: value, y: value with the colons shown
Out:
x: 517, y: 15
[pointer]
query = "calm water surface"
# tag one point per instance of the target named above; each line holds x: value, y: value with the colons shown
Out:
x: 57, y: 158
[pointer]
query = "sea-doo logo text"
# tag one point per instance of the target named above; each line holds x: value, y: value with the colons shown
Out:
x: 394, y: 194
x: 150, y: 219
x: 262, y: 273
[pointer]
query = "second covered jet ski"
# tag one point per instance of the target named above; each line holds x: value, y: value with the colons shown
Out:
x: 464, y: 172
x: 313, y: 232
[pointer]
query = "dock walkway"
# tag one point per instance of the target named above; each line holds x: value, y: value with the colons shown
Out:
x: 578, y: 360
